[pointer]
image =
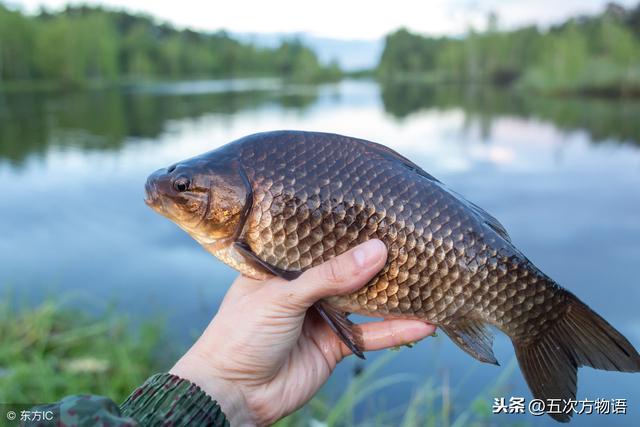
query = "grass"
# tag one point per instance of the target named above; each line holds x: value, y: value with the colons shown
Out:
x: 430, y: 405
x: 51, y: 351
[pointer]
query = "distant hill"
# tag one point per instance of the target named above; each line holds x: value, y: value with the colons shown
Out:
x: 351, y: 55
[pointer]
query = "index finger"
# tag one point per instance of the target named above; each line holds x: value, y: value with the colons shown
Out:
x: 345, y: 273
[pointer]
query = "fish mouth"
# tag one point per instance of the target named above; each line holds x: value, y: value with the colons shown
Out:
x: 153, y: 190
x: 150, y: 194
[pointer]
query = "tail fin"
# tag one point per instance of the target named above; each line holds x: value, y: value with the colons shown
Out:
x: 579, y: 338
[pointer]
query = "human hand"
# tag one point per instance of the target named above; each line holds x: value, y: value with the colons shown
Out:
x: 264, y: 355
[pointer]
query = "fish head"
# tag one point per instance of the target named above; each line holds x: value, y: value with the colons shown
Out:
x: 205, y: 197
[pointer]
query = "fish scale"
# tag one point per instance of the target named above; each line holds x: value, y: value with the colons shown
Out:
x: 283, y: 202
x: 439, y: 252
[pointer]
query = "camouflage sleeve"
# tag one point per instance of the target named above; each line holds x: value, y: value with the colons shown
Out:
x: 80, y: 410
x: 163, y: 399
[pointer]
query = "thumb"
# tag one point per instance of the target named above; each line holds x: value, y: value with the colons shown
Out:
x: 343, y: 274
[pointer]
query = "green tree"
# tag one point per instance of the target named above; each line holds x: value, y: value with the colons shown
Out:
x: 82, y: 44
x: 16, y: 45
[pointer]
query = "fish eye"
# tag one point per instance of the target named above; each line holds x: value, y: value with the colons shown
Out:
x: 181, y: 184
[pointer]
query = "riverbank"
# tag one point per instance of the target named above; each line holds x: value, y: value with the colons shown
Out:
x: 51, y: 350
x: 610, y: 90
x: 43, y: 85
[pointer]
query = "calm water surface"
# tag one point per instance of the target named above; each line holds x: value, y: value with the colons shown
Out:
x: 563, y: 176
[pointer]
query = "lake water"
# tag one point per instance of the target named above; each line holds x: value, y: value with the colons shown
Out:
x: 563, y: 176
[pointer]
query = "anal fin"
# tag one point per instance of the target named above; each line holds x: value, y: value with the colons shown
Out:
x: 344, y: 328
x: 246, y: 251
x: 474, y: 337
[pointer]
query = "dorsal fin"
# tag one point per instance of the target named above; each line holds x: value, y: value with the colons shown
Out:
x: 489, y: 219
x: 392, y: 155
x: 485, y: 216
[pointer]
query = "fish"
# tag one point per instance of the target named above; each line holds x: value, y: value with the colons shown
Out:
x: 278, y: 203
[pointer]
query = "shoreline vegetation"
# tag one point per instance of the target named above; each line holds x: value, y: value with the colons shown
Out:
x: 595, y: 56
x: 83, y: 46
x: 52, y: 350
x: 71, y: 352
x: 86, y: 47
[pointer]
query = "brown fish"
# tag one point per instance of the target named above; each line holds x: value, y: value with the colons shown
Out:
x: 278, y: 203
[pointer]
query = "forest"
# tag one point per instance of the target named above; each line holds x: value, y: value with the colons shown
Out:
x: 597, y: 55
x: 80, y: 45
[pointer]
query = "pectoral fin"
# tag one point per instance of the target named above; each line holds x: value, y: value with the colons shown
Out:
x: 474, y: 337
x: 344, y: 328
x: 246, y: 251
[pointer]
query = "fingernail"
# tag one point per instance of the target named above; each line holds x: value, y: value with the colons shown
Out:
x: 368, y: 252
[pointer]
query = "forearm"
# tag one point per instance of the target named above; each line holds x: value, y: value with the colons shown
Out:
x: 164, y: 399
x: 168, y: 399
x: 229, y: 397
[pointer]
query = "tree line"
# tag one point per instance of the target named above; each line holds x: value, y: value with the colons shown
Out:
x: 590, y: 54
x: 82, y: 44
x: 79, y: 45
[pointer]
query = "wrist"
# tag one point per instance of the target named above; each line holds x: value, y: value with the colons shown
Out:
x: 229, y: 396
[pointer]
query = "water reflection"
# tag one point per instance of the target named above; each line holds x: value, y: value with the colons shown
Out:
x: 604, y: 119
x: 32, y: 122
x: 72, y: 219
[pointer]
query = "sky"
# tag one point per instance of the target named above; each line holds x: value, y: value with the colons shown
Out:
x: 346, y: 19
